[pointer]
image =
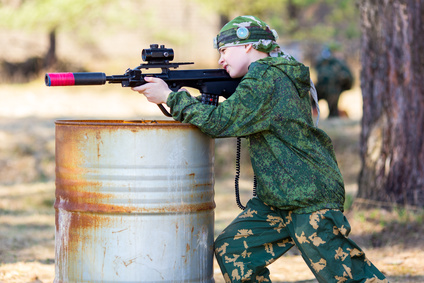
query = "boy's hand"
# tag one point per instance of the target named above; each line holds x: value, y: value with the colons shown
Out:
x: 156, y: 90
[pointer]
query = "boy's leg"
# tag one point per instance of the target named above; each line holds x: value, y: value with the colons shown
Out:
x: 322, y: 239
x: 256, y: 238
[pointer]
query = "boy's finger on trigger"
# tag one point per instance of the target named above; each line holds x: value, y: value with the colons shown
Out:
x: 150, y: 79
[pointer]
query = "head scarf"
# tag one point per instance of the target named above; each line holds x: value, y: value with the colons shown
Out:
x: 245, y: 30
x: 251, y: 30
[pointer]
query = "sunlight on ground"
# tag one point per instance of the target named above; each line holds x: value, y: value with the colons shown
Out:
x: 350, y: 102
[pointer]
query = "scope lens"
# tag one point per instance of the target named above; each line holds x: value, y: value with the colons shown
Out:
x: 144, y: 54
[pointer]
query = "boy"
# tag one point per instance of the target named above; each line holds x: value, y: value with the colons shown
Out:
x: 300, y: 191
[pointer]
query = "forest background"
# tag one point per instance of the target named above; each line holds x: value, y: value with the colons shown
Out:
x: 108, y: 36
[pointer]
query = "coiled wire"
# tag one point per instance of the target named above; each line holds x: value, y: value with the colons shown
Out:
x: 237, y: 177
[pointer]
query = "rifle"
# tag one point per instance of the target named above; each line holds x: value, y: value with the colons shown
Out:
x: 211, y: 83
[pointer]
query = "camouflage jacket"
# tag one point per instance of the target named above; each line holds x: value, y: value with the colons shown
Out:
x: 294, y: 161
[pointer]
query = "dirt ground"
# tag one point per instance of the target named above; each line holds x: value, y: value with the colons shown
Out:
x: 392, y: 240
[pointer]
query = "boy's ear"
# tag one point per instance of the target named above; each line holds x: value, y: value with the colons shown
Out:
x: 248, y: 47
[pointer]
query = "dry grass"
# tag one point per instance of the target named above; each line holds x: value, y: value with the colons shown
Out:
x: 392, y: 240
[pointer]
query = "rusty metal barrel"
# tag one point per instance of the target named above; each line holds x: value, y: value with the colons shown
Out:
x: 134, y: 202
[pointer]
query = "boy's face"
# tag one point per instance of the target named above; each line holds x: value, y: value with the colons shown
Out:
x: 235, y: 60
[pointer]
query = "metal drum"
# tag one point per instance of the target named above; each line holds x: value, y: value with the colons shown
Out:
x: 134, y: 202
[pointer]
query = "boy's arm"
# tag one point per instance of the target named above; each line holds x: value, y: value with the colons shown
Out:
x: 246, y: 112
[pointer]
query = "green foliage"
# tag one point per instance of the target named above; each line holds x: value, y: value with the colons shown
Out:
x: 348, y: 202
x: 47, y: 15
x: 313, y: 22
x: 233, y: 8
x: 304, y: 20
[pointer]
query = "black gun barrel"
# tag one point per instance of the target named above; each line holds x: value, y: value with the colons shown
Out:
x: 68, y: 79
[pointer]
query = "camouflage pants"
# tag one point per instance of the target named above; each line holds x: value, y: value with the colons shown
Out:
x: 261, y: 234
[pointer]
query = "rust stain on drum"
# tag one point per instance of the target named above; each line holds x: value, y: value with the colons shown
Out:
x: 122, y: 124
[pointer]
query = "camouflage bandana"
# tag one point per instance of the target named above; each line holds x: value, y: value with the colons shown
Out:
x: 247, y: 30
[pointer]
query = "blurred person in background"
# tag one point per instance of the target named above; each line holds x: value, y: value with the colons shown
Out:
x: 334, y: 77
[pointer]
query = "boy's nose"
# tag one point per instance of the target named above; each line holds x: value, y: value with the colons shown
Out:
x: 221, y: 60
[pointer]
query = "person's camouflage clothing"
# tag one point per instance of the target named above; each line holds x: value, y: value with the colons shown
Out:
x: 248, y: 30
x: 294, y: 162
x: 300, y: 191
x: 261, y: 234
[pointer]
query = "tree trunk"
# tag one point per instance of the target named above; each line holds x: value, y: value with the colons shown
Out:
x: 223, y: 20
x: 50, y: 58
x: 293, y: 15
x: 392, y: 82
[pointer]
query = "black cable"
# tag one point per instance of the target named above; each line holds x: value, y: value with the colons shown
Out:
x: 255, y: 183
x: 237, y: 177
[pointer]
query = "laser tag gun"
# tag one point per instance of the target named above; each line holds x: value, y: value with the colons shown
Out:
x: 211, y: 83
